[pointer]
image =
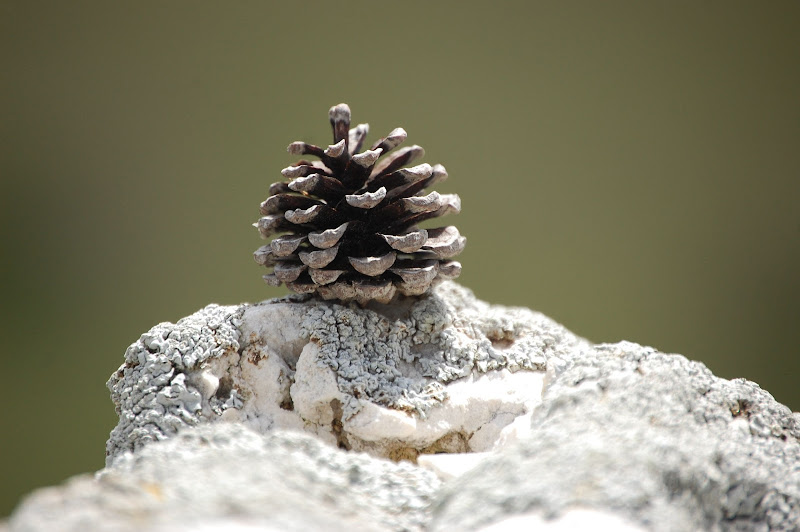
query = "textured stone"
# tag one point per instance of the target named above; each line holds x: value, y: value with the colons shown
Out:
x: 571, y: 521
x: 654, y: 437
x: 441, y: 373
x: 225, y: 476
x: 616, y: 435
x: 167, y: 381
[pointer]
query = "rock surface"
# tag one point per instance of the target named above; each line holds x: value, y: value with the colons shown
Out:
x: 441, y: 373
x: 654, y: 437
x: 251, y: 416
x: 223, y: 477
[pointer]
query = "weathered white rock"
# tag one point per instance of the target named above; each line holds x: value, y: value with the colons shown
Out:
x: 537, y: 428
x: 441, y: 373
x: 227, y: 477
x: 653, y: 437
x: 451, y: 465
x: 579, y: 519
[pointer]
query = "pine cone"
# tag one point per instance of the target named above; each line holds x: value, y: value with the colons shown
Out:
x: 350, y: 220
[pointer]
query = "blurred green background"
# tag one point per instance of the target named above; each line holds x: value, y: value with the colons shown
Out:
x: 629, y: 168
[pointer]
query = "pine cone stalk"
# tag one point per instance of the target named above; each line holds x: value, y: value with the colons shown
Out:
x: 348, y: 221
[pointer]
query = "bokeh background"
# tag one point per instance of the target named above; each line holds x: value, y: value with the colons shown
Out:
x: 631, y: 169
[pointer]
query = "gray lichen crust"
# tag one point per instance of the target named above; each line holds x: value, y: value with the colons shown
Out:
x: 155, y: 391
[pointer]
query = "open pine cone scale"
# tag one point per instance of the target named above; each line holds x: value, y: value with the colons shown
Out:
x: 349, y: 220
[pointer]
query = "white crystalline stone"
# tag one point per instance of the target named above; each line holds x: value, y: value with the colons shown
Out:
x: 480, y: 406
x: 450, y: 465
x: 377, y: 423
x: 315, y: 389
x: 274, y: 325
x: 206, y: 383
x: 517, y: 430
x: 265, y: 379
